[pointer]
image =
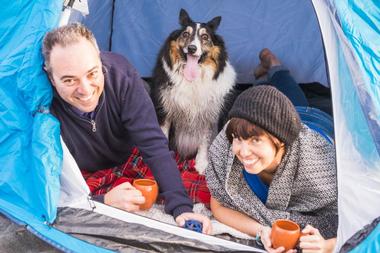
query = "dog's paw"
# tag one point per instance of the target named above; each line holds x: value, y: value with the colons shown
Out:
x: 201, y: 164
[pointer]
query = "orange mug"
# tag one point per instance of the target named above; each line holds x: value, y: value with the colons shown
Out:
x: 285, y: 233
x: 149, y: 190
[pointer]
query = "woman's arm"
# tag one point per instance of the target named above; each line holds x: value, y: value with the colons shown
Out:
x: 234, y: 218
x: 244, y: 224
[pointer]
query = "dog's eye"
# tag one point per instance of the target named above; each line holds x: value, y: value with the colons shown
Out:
x: 185, y: 34
x: 204, y: 36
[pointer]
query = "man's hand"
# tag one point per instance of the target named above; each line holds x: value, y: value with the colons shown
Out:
x: 265, y: 239
x: 206, y: 223
x: 124, y: 196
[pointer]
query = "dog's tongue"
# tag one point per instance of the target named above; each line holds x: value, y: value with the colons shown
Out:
x: 191, y: 70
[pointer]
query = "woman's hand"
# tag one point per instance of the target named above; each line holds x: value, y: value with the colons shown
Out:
x: 313, y: 242
x: 206, y: 223
x: 265, y: 239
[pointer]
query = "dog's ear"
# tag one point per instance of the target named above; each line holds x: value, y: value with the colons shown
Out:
x: 214, y: 23
x: 184, y: 18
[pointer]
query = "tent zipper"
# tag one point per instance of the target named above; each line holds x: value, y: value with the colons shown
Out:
x: 91, y: 202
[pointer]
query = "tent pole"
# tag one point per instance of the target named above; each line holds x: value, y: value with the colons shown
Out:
x: 66, y: 12
x: 111, y: 26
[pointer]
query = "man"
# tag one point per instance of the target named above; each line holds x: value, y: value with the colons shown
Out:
x: 104, y: 111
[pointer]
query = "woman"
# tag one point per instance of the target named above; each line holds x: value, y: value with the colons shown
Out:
x: 267, y: 165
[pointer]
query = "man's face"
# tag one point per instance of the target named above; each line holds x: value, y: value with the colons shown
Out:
x: 76, y: 73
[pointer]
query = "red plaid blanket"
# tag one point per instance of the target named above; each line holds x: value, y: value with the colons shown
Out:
x: 102, y: 181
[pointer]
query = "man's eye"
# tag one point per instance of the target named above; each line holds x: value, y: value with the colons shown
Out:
x: 93, y: 75
x: 69, y: 82
x: 204, y: 36
x: 185, y: 34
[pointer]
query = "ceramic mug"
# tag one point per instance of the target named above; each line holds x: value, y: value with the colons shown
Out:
x: 149, y: 190
x: 285, y: 233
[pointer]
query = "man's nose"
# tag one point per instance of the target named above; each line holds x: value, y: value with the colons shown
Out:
x: 85, y: 86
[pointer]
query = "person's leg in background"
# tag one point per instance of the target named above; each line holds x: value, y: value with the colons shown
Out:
x: 271, y: 71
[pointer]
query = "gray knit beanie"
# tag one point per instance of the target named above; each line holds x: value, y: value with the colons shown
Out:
x: 270, y: 109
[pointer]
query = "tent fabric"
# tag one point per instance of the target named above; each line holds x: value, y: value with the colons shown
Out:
x: 358, y: 161
x: 108, y: 232
x: 79, y: 199
x: 29, y: 153
x: 30, y: 150
x: 45, y: 231
x: 171, y: 228
x: 364, y: 240
x: 139, y: 28
x: 363, y: 38
x: 370, y: 244
x: 318, y: 121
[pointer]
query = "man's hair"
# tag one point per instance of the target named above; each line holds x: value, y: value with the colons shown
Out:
x: 64, y: 36
x: 243, y: 129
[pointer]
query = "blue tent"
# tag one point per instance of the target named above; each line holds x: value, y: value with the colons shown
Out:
x: 342, y: 52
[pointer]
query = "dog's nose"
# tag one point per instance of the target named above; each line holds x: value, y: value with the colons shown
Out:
x: 192, y: 49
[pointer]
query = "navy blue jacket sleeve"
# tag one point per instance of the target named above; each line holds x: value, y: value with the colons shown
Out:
x: 139, y: 118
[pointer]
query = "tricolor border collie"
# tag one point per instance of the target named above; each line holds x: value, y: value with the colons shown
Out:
x: 191, y: 79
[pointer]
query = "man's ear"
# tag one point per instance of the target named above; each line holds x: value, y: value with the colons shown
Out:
x: 184, y: 18
x: 214, y: 23
x: 49, y: 75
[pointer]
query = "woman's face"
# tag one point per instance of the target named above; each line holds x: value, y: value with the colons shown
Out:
x: 257, y: 154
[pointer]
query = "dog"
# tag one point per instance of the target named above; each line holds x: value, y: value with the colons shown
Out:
x: 191, y: 81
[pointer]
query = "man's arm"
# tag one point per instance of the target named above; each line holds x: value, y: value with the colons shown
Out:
x: 139, y: 118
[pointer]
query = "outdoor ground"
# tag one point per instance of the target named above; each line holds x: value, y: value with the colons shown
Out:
x: 16, y: 239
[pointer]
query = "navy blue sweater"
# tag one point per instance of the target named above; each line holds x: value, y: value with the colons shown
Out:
x: 124, y: 118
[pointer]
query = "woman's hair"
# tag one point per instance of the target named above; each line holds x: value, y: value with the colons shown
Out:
x: 64, y: 36
x: 242, y: 128
x: 269, y: 108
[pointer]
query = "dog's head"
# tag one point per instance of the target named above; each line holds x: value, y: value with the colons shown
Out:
x: 196, y: 39
x: 196, y: 45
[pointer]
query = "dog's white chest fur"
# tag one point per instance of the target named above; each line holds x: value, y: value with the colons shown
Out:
x: 200, y: 98
x: 193, y: 108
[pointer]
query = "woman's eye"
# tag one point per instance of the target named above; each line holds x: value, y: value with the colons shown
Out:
x: 256, y: 140
x: 237, y: 139
x: 185, y: 34
x: 204, y: 36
